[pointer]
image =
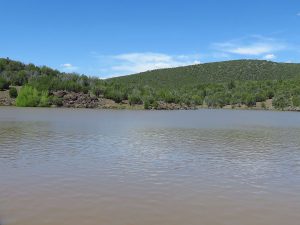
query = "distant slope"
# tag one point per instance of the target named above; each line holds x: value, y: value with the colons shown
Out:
x: 241, y: 70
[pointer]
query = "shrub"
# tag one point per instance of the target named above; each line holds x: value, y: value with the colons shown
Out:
x: 115, y: 95
x: 296, y: 101
x: 260, y: 97
x: 197, y: 100
x: 135, y: 99
x: 231, y: 85
x: 98, y: 91
x: 13, y: 93
x: 44, y: 99
x: 281, y: 102
x: 4, y: 84
x: 56, y: 101
x: 146, y: 104
x: 169, y: 97
x: 28, y: 97
x: 155, y: 105
x: 19, y: 78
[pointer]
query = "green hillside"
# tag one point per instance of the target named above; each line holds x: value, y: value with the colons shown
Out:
x: 236, y: 83
x: 218, y: 72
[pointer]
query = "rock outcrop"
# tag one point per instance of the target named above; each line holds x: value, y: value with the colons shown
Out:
x: 5, y: 99
x: 81, y: 100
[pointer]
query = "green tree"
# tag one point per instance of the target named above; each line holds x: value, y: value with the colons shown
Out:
x: 28, y: 97
x: 296, y: 101
x: 13, y: 93
x: 44, y: 99
x: 146, y: 104
x: 54, y: 100
x: 281, y: 102
x: 4, y: 84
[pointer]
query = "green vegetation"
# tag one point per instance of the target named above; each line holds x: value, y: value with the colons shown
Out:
x: 13, y: 93
x: 4, y: 84
x: 240, y: 82
x: 235, y: 83
x: 28, y: 97
x: 31, y: 97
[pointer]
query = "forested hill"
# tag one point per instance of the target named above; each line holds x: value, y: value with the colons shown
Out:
x: 237, y: 70
x: 240, y: 83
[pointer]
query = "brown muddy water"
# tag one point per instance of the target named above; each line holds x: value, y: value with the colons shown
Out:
x: 90, y: 167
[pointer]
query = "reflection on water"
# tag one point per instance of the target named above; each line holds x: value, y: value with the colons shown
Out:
x: 60, y: 166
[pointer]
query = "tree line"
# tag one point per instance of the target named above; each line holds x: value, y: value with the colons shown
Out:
x: 240, y: 85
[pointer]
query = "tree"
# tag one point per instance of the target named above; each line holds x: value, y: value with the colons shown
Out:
x: 98, y: 90
x: 231, y: 85
x: 13, y: 93
x: 135, y: 98
x: 296, y: 101
x: 28, y: 97
x: 281, y: 102
x: 44, y: 99
x: 4, y: 84
x: 146, y: 104
x: 20, y: 78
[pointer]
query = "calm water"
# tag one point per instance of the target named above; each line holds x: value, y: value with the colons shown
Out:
x: 89, y: 167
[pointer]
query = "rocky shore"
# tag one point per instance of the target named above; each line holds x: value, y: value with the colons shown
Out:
x: 5, y: 99
x: 86, y: 100
x: 81, y: 100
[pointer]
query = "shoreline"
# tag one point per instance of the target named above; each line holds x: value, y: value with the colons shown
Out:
x: 140, y: 108
x: 87, y: 101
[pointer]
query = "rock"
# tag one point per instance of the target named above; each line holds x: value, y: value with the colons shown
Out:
x: 60, y: 94
x: 72, y: 96
x: 173, y: 106
x: 5, y: 99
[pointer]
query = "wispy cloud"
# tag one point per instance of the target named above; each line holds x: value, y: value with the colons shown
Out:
x: 269, y: 57
x: 298, y: 14
x: 130, y: 63
x: 68, y: 67
x: 250, y: 46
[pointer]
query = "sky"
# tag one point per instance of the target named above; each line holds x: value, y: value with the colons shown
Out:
x: 107, y: 38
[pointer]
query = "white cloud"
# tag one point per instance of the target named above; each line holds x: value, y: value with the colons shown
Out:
x: 269, y: 56
x: 130, y: 63
x: 68, y: 67
x: 250, y: 46
x: 256, y: 49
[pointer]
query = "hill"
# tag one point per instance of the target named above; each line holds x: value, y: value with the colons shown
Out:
x: 239, y: 83
x: 217, y: 72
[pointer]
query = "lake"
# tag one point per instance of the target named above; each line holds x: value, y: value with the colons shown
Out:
x: 91, y: 167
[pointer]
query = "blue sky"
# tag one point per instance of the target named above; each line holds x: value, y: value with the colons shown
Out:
x: 115, y: 37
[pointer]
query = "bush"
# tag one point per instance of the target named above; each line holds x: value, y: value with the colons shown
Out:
x: 281, y: 102
x: 296, y: 101
x: 260, y: 97
x: 19, y: 78
x: 231, y: 85
x: 155, y: 105
x: 146, y: 104
x: 44, y: 99
x: 4, y: 84
x: 28, y: 97
x: 98, y: 91
x: 197, y: 100
x: 135, y: 99
x: 13, y: 93
x: 56, y: 101
x: 115, y: 95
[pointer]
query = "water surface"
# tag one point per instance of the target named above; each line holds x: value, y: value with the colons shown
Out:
x: 91, y: 167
